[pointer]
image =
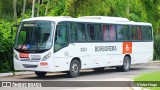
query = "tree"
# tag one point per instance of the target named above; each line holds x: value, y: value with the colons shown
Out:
x: 46, y: 11
x: 38, y: 8
x: 15, y: 11
x: 24, y: 5
x: 33, y: 9
x: 127, y: 8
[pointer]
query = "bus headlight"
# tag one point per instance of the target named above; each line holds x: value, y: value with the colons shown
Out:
x: 15, y: 56
x: 46, y: 56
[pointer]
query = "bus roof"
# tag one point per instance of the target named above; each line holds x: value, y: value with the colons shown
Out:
x: 89, y: 19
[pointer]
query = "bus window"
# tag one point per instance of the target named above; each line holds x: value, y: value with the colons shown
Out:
x: 139, y: 33
x: 77, y: 32
x: 98, y: 32
x: 81, y: 32
x: 123, y: 32
x: 73, y: 31
x: 126, y: 33
x: 106, y: 33
x: 60, y: 37
x: 133, y: 33
x: 136, y: 33
x: 146, y: 33
x: 90, y: 33
x: 112, y: 32
x: 94, y: 32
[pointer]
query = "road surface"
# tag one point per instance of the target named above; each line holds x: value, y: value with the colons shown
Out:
x: 110, y: 74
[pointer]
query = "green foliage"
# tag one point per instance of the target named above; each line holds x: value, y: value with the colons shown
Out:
x: 135, y: 10
x: 5, y: 9
x: 58, y: 8
x: 157, y: 47
x: 6, y: 43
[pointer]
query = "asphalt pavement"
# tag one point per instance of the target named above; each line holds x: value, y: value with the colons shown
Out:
x: 109, y: 74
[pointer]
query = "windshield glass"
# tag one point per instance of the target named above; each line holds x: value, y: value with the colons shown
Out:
x: 34, y: 35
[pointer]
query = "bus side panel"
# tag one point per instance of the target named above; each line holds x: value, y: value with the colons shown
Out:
x: 62, y: 59
x: 81, y: 50
x: 142, y: 52
x: 94, y: 55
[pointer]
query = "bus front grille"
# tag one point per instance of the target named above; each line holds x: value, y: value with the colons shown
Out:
x: 30, y: 60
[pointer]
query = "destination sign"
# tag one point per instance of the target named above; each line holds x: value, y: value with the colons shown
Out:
x: 28, y: 25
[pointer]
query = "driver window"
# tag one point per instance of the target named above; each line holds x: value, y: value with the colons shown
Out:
x: 60, y: 37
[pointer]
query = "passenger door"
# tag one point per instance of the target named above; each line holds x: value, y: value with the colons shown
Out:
x: 61, y: 50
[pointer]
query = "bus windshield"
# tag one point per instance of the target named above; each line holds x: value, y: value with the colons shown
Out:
x: 34, y: 36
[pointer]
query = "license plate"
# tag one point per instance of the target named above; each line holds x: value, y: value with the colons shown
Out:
x: 24, y: 55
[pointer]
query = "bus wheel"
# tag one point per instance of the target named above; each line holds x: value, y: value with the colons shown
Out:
x: 40, y: 74
x: 74, y: 69
x: 126, y: 65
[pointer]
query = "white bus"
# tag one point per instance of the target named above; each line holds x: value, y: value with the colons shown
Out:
x: 53, y: 44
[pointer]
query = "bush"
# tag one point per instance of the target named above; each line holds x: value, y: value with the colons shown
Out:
x: 6, y: 44
x: 157, y: 47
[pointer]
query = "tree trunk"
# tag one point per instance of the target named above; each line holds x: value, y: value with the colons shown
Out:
x: 38, y: 8
x: 42, y: 2
x: 33, y: 4
x: 24, y: 6
x: 15, y: 11
x: 127, y: 8
x: 47, y: 7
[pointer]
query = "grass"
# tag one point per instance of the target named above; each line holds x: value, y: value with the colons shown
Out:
x: 153, y: 76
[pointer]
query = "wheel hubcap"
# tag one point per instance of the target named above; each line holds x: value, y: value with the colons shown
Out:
x: 126, y: 64
x: 75, y: 68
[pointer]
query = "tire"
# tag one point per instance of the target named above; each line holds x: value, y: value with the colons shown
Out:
x: 126, y: 65
x: 101, y: 69
x: 74, y: 69
x: 40, y: 74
